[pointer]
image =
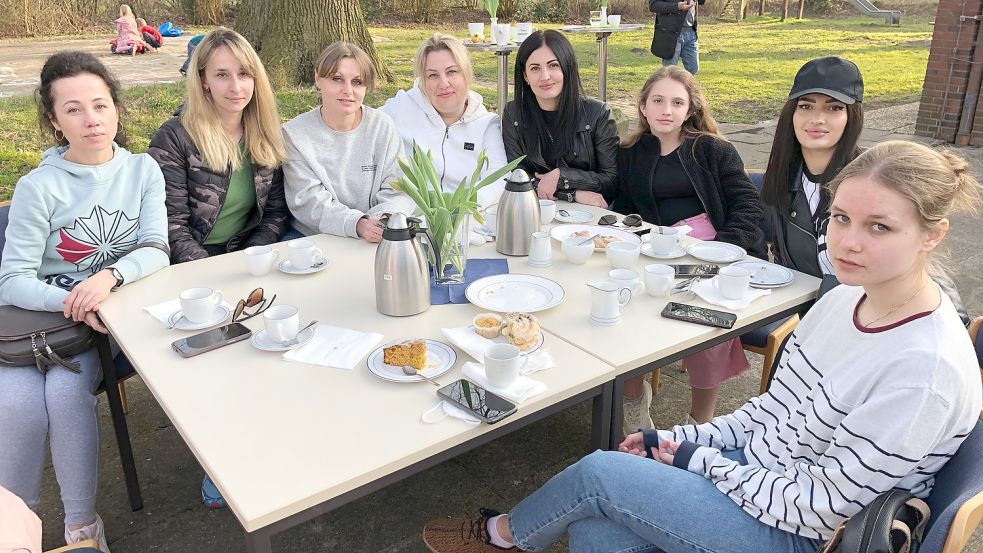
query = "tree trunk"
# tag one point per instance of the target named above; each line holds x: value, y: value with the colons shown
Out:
x: 289, y: 35
x: 802, y: 8
x: 761, y: 7
x: 785, y: 10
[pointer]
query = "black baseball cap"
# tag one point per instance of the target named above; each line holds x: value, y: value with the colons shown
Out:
x: 835, y: 77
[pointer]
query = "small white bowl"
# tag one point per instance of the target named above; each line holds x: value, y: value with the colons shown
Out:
x: 577, y: 253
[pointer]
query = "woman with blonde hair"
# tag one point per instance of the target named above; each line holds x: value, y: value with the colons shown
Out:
x: 128, y: 38
x: 442, y: 114
x: 342, y: 154
x: 222, y: 155
x: 678, y: 170
x: 877, y: 389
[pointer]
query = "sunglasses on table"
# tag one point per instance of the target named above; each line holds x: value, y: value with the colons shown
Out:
x: 633, y: 220
x: 255, y: 300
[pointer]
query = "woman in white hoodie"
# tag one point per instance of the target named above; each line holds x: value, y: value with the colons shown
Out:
x: 442, y: 114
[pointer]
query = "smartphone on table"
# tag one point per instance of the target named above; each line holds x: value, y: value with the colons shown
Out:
x: 211, y: 339
x: 696, y: 270
x: 478, y: 401
x: 699, y: 315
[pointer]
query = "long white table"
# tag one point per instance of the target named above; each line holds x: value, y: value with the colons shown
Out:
x: 285, y: 442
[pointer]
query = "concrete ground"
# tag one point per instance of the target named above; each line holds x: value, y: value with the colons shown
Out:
x: 496, y: 475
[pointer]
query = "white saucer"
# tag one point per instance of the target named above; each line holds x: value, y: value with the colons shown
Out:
x: 261, y: 340
x: 221, y: 313
x: 576, y: 216
x: 675, y: 253
x: 320, y: 264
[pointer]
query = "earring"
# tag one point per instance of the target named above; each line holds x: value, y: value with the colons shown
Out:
x: 59, y: 138
x: 120, y: 129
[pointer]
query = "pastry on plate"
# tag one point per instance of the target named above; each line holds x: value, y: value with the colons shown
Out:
x: 522, y: 330
x: 488, y: 325
x: 410, y: 352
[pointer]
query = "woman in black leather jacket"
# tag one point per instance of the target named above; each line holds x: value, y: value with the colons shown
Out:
x: 570, y: 141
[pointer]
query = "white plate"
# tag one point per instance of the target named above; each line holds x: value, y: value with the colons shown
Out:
x: 716, y: 252
x: 500, y: 339
x: 675, y: 253
x: 221, y: 313
x: 766, y: 275
x: 561, y: 232
x: 261, y: 340
x: 320, y: 264
x: 440, y: 359
x: 514, y: 292
x: 576, y: 216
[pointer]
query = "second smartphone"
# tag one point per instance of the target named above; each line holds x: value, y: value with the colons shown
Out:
x: 476, y: 400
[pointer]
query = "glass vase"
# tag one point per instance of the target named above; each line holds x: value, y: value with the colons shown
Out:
x: 450, y: 265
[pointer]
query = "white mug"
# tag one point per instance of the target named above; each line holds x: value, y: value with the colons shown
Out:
x: 525, y: 29
x: 732, y: 282
x: 614, y: 20
x: 503, y: 363
x: 491, y: 218
x: 260, y: 259
x: 622, y: 255
x: 541, y: 251
x: 577, y: 253
x: 501, y: 32
x: 547, y: 210
x: 302, y: 253
x: 476, y: 30
x: 282, y: 322
x: 659, y: 279
x: 663, y: 240
x: 626, y: 278
x: 199, y: 305
x: 606, y: 301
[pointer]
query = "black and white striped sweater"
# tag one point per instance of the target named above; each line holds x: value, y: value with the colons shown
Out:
x: 851, y: 413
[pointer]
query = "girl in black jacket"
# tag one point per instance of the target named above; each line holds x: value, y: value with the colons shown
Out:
x: 678, y: 169
x: 570, y: 141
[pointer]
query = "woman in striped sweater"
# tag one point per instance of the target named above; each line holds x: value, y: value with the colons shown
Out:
x: 876, y: 389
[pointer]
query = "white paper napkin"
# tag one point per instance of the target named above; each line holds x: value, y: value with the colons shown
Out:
x: 522, y: 389
x: 332, y: 346
x: 704, y: 288
x: 474, y: 345
x: 163, y: 311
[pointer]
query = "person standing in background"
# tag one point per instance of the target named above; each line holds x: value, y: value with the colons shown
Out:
x: 675, y: 35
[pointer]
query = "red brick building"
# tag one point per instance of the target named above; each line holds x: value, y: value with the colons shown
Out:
x: 951, y: 106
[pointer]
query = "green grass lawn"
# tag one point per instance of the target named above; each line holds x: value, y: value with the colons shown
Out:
x: 746, y: 71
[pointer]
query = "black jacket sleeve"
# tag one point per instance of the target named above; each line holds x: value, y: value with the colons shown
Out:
x: 511, y: 138
x: 165, y: 148
x: 605, y: 145
x: 662, y: 6
x: 744, y: 211
x: 276, y: 215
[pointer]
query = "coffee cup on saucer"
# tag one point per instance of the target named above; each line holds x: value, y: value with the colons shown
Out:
x: 302, y: 252
x: 659, y: 279
x: 663, y: 240
x: 198, y: 305
x: 503, y: 363
x: 282, y: 322
x: 547, y: 211
x: 732, y: 282
x: 260, y: 259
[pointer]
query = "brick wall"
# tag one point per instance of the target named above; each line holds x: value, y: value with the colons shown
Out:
x: 948, y: 74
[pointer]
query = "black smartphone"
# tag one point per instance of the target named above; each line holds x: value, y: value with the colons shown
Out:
x: 699, y: 315
x: 211, y: 339
x: 696, y: 270
x: 478, y: 401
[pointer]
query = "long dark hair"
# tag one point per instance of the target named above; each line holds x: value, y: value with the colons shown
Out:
x: 786, y: 155
x: 530, y: 115
x: 69, y: 64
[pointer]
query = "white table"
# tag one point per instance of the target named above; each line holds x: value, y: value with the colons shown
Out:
x: 644, y: 340
x: 283, y: 441
x: 602, y: 32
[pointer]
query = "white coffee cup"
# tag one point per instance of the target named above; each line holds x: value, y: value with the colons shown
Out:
x: 501, y: 31
x: 198, y: 305
x: 663, y: 240
x: 614, y: 20
x: 577, y: 253
x: 547, y: 211
x: 525, y: 29
x: 260, y: 259
x: 622, y: 255
x: 607, y: 300
x: 659, y: 279
x: 541, y: 250
x: 282, y: 322
x: 503, y: 363
x: 732, y: 282
x: 476, y: 29
x: 491, y: 218
x: 302, y: 253
x: 626, y: 278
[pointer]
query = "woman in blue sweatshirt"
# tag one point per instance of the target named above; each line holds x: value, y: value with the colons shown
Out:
x: 88, y: 220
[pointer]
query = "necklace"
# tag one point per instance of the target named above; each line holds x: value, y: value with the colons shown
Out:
x: 904, y: 303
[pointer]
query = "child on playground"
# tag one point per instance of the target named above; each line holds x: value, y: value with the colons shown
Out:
x: 150, y: 35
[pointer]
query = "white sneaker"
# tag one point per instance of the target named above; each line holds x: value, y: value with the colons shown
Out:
x: 95, y: 531
x: 637, y: 412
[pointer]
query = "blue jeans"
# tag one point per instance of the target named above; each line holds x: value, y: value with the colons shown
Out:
x: 687, y: 49
x: 616, y: 502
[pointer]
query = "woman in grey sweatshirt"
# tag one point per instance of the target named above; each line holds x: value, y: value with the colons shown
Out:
x: 341, y: 155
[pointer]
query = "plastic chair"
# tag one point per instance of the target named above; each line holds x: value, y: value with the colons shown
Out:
x: 957, y: 498
x: 80, y: 547
x: 112, y: 385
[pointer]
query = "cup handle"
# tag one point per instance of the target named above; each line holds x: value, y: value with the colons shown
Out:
x: 276, y: 255
x: 218, y: 298
x: 623, y: 301
x: 318, y: 253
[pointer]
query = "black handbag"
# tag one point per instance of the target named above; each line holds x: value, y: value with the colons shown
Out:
x: 893, y: 523
x: 664, y: 42
x: 41, y: 337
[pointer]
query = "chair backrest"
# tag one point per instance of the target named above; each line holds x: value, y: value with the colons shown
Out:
x: 959, y: 480
x: 757, y: 177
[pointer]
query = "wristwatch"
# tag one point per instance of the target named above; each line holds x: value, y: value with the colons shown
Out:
x: 570, y: 196
x: 118, y: 276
